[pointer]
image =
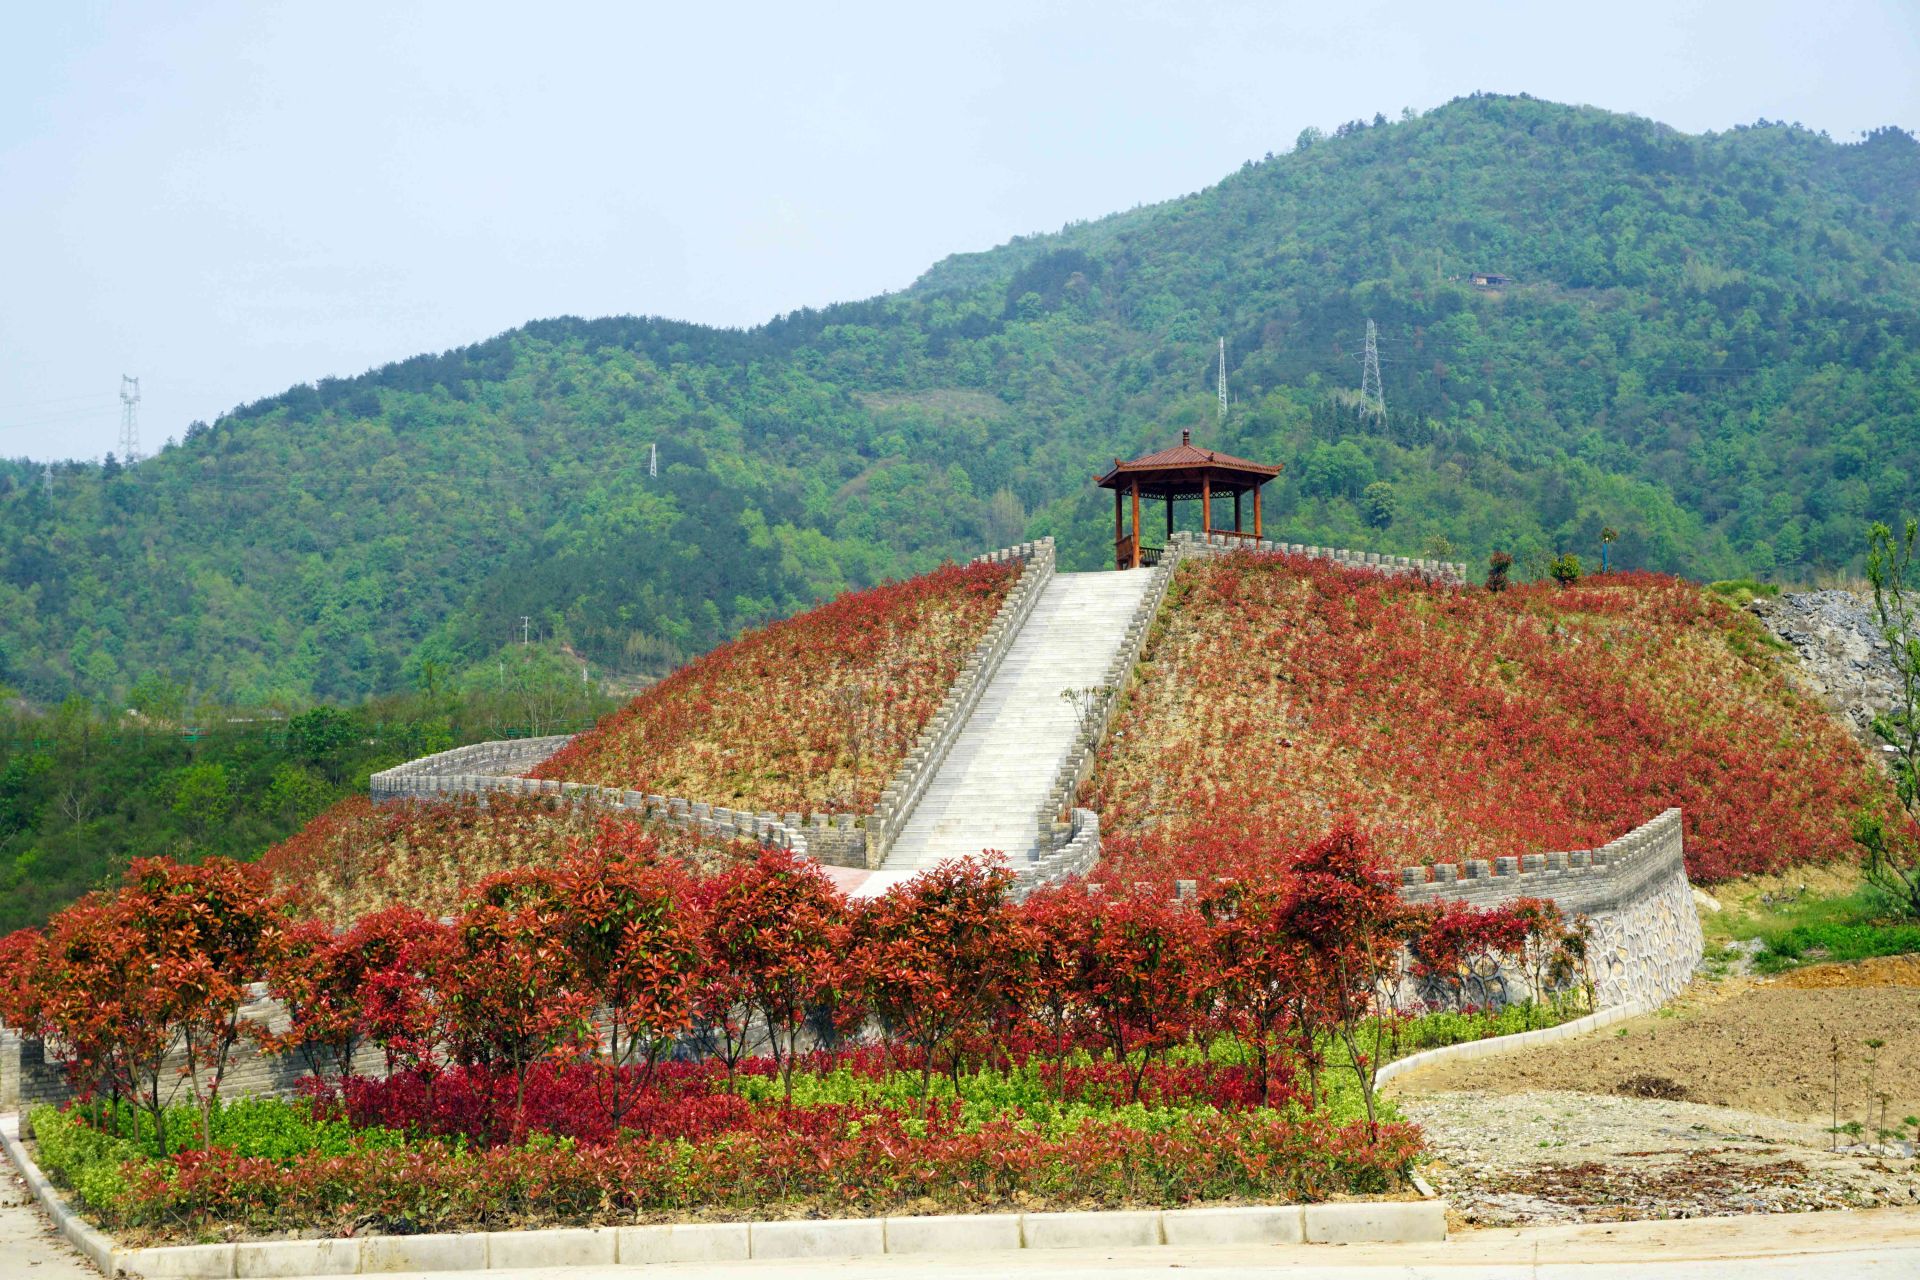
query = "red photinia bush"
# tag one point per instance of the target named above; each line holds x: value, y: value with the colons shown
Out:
x: 1282, y: 693
x: 937, y: 957
x: 811, y: 714
x: 141, y: 990
x: 776, y: 935
x: 845, y: 1163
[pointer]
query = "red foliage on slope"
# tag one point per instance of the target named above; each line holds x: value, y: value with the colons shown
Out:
x: 1284, y: 693
x: 813, y: 713
x: 359, y: 857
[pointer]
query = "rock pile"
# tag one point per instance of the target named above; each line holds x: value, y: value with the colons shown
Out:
x: 1842, y: 653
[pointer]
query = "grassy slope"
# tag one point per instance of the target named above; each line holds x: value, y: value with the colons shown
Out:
x: 357, y: 857
x: 1278, y: 695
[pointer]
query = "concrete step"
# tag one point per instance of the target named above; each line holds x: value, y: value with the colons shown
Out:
x: 988, y: 791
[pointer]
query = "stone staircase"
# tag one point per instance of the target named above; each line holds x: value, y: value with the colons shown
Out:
x: 988, y: 792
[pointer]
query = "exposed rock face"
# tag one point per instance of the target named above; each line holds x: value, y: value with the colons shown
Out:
x: 1842, y: 653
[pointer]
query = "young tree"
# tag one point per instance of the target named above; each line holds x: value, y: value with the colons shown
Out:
x: 1137, y: 976
x: 208, y: 932
x: 1347, y: 912
x: 1893, y: 845
x: 1057, y: 921
x: 1499, y: 565
x: 1261, y: 974
x: 633, y: 933
x: 935, y: 955
x: 373, y: 984
x: 160, y: 968
x: 777, y: 924
x: 512, y: 991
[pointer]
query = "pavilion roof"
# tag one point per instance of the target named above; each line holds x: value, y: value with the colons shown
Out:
x: 1188, y: 458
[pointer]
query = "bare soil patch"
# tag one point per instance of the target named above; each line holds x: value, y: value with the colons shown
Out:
x: 1552, y: 1156
x: 1760, y: 1046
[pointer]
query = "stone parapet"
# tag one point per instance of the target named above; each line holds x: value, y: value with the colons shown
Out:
x: 1218, y: 543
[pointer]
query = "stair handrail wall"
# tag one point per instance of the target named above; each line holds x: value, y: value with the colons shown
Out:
x: 903, y: 792
x: 1096, y: 718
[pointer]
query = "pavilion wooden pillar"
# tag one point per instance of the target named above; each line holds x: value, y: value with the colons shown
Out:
x: 1236, y: 511
x: 1256, y: 511
x: 1136, y: 523
x: 1206, y: 507
x: 1119, y: 526
x: 1169, y: 505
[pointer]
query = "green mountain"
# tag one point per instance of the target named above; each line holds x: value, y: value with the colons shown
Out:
x: 1710, y: 343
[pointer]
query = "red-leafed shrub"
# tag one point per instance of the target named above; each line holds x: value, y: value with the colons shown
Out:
x: 1280, y: 694
x: 811, y: 714
x: 842, y: 1163
x: 936, y: 959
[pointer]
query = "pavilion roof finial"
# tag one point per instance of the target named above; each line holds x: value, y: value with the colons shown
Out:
x: 1186, y: 436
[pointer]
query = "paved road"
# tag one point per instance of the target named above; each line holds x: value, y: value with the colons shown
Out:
x: 30, y: 1249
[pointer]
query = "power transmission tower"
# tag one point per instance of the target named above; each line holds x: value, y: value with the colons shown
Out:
x: 1372, y: 395
x: 47, y: 476
x: 653, y: 461
x: 1223, y: 379
x: 526, y: 631
x: 129, y: 420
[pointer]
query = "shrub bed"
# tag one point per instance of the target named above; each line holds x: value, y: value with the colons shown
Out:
x: 1280, y: 693
x: 940, y: 1047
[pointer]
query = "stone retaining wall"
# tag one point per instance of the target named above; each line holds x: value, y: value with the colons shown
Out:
x: 1646, y: 939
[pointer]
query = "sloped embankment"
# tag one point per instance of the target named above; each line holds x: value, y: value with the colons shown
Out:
x: 1279, y: 694
x: 809, y: 714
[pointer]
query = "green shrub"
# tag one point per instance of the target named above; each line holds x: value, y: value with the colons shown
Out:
x: 86, y: 1161
x: 269, y: 1128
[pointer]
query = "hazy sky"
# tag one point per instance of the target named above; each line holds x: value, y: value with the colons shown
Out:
x: 227, y: 199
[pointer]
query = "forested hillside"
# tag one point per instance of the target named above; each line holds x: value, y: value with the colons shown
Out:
x: 1709, y: 343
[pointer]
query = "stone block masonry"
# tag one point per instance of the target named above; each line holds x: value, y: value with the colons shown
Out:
x: 1646, y: 939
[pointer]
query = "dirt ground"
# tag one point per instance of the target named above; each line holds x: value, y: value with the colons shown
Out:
x: 1719, y: 1103
x: 1760, y: 1045
x: 1533, y: 1157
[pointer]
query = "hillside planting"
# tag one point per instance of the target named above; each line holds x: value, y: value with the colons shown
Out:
x: 1280, y: 694
x: 359, y: 857
x: 812, y: 714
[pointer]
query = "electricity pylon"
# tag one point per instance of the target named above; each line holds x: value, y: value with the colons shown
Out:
x: 129, y: 420
x: 1372, y: 394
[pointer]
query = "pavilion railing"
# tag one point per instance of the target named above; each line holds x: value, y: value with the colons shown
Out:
x: 1123, y: 552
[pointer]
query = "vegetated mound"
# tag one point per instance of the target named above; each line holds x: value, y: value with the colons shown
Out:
x: 811, y: 714
x: 359, y: 857
x: 1278, y: 693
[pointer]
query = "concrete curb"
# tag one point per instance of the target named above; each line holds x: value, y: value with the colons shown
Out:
x: 1371, y: 1222
x: 1473, y: 1049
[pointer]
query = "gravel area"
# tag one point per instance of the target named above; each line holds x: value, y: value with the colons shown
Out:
x: 1536, y: 1157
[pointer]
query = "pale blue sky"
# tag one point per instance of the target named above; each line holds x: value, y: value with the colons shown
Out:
x: 227, y: 199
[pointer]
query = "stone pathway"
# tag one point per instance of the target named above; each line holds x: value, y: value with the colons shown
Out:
x: 988, y: 792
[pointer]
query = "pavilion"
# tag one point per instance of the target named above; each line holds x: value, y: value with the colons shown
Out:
x: 1179, y: 474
